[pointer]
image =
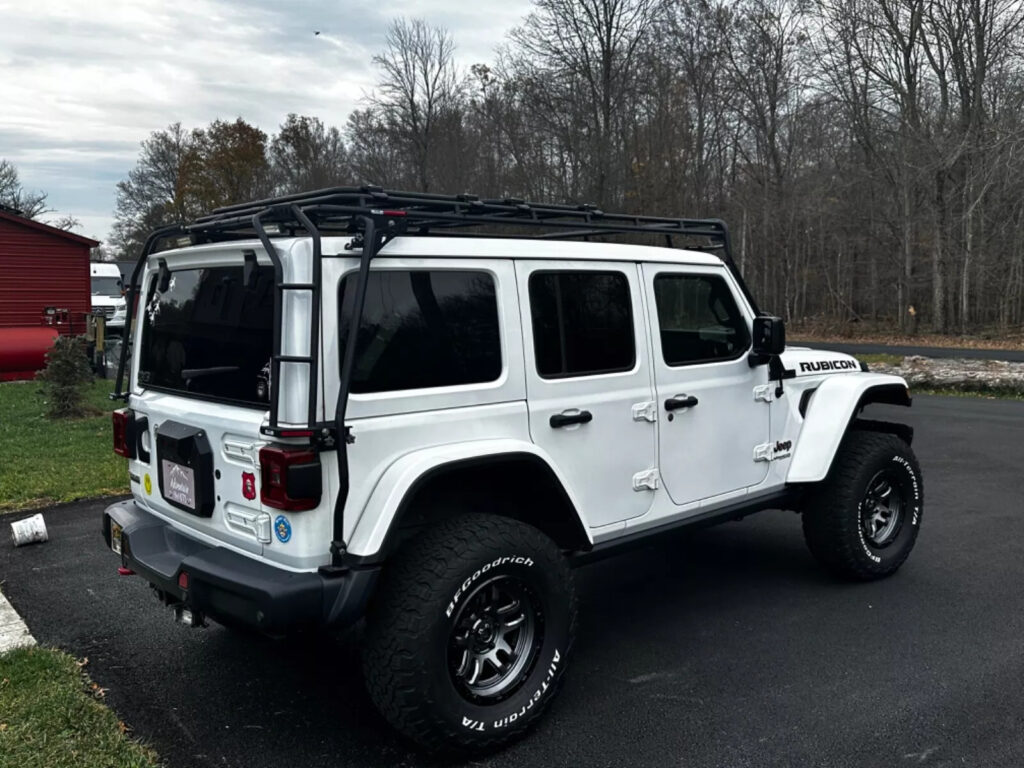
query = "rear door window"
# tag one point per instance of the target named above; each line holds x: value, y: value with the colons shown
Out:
x: 423, y: 328
x: 582, y: 323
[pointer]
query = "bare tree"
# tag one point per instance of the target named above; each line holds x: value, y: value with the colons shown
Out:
x: 154, y: 194
x: 419, y: 85
x: 306, y: 155
x: 13, y: 195
x: 589, y: 50
x: 375, y: 157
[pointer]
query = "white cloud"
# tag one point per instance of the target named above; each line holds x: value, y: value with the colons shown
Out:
x: 82, y: 83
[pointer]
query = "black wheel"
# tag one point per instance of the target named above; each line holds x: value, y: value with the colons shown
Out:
x: 862, y: 521
x: 470, y: 633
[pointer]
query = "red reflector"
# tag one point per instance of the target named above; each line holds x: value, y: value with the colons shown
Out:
x: 183, y: 579
x: 393, y: 213
x: 295, y: 433
x: 122, y: 571
x: 120, y: 419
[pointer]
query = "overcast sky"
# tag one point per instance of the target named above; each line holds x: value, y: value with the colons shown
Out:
x: 82, y: 82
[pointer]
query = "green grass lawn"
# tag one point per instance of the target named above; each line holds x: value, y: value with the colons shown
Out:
x: 44, y: 461
x: 51, y: 717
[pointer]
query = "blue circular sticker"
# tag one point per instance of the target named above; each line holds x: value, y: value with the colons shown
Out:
x: 282, y: 529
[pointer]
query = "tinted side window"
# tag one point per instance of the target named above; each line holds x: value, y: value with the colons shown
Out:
x: 698, y: 319
x: 582, y: 323
x: 423, y: 328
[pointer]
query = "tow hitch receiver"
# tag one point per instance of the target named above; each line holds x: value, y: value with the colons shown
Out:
x: 188, y: 617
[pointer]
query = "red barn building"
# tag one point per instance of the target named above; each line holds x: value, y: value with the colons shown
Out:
x: 40, y: 266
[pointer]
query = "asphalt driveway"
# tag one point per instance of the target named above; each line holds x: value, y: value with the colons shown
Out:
x: 727, y: 647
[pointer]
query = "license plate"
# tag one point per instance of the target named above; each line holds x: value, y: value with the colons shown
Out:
x: 179, y: 483
x: 115, y: 537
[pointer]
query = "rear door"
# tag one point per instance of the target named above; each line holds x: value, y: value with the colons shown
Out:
x: 587, y: 373
x: 711, y: 416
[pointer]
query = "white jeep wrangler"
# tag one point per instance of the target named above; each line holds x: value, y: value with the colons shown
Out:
x: 427, y: 409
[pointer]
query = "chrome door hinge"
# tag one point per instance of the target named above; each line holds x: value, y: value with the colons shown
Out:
x: 772, y: 451
x: 763, y: 392
x: 646, y: 480
x: 645, y: 411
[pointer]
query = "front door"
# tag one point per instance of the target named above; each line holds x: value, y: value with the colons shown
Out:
x: 710, y: 416
x: 587, y: 372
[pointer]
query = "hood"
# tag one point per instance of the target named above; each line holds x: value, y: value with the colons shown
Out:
x: 817, y: 362
x: 99, y: 300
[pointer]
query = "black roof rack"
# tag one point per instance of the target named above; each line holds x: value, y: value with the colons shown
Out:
x: 373, y: 216
x: 338, y: 209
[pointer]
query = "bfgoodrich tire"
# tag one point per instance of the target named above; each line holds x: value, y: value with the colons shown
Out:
x: 470, y: 634
x: 862, y: 522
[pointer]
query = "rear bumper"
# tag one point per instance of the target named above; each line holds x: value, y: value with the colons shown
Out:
x: 224, y: 584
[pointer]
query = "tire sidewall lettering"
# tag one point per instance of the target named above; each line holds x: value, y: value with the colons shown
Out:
x: 453, y: 603
x: 554, y: 667
x: 915, y: 517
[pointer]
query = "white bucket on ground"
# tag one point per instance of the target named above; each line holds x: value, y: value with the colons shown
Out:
x: 29, y: 530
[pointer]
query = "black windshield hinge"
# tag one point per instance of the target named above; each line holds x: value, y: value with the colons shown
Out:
x: 778, y: 372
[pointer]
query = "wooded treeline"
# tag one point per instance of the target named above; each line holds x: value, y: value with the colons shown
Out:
x: 868, y: 155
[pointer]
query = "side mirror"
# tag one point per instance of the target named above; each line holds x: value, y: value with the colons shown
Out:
x: 769, y: 336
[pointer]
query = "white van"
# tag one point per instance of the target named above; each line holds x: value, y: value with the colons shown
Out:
x: 108, y: 293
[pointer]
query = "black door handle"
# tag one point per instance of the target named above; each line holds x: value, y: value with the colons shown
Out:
x: 565, y: 419
x: 680, y: 401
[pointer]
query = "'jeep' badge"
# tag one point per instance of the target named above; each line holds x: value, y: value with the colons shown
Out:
x: 249, y: 485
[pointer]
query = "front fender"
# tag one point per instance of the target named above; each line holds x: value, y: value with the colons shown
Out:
x: 398, y: 480
x: 831, y: 410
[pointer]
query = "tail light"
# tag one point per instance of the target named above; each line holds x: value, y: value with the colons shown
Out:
x: 123, y: 444
x: 291, y: 478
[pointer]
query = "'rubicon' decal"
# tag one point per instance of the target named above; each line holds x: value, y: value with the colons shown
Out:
x: 829, y: 365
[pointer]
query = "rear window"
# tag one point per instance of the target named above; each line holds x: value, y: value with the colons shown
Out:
x: 209, y: 335
x: 423, y: 328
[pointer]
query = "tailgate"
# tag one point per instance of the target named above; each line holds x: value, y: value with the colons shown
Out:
x: 201, y: 468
